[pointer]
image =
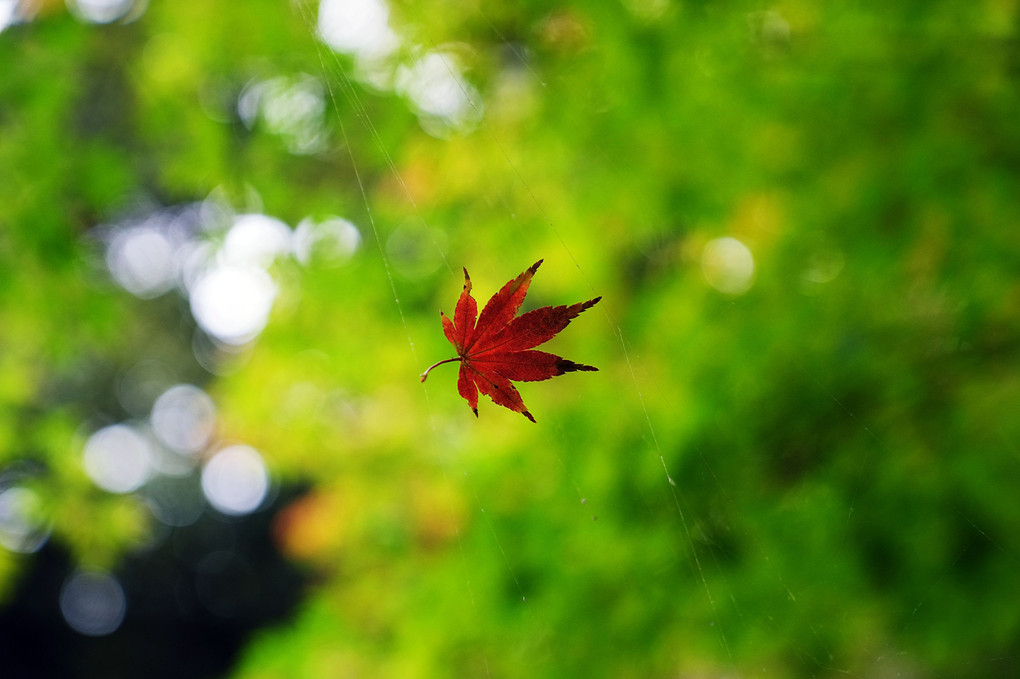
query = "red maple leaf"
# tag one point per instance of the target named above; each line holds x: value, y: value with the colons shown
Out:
x: 498, y: 347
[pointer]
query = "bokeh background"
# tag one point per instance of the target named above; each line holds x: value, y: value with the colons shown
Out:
x: 226, y: 231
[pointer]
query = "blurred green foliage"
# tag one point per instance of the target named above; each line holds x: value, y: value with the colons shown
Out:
x: 816, y: 477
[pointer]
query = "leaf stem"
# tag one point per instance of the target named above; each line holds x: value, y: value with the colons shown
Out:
x: 449, y: 360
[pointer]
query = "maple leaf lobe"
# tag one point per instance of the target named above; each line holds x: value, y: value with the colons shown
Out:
x: 495, y: 348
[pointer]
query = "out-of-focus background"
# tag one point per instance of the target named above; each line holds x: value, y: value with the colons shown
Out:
x: 226, y: 231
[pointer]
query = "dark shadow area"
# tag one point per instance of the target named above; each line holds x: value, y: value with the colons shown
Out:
x: 193, y: 600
